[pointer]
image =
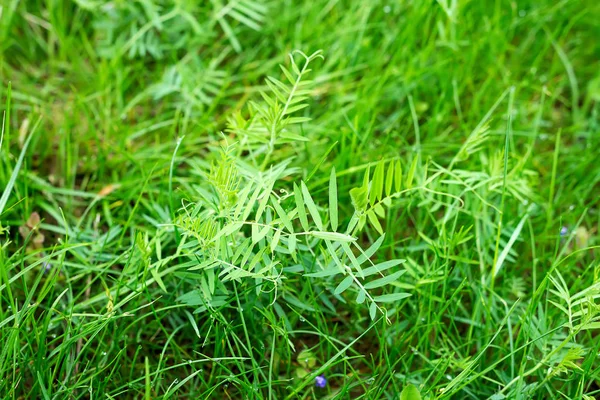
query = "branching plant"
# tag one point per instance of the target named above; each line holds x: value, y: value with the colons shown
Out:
x: 265, y: 231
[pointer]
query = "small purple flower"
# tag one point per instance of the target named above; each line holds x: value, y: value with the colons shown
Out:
x: 564, y: 231
x: 47, y: 266
x: 320, y: 381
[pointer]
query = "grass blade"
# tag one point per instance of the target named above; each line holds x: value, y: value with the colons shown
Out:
x: 333, y: 201
x: 13, y: 177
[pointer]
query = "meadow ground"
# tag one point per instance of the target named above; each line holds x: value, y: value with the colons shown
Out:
x: 409, y: 204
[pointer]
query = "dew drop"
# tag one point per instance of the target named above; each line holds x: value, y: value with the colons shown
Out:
x: 387, y: 9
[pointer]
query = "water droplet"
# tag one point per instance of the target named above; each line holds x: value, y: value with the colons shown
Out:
x: 370, y: 381
x: 522, y: 13
x: 387, y: 9
x: 571, y: 207
x: 189, y: 361
x: 103, y: 353
x: 302, y: 319
x: 449, y: 377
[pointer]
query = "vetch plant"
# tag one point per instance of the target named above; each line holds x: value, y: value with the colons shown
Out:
x: 250, y: 227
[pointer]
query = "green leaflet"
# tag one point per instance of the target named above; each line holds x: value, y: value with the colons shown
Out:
x: 410, y: 393
x: 334, y: 236
x: 378, y: 268
x: 282, y: 215
x: 389, y: 179
x: 398, y: 176
x: 411, y: 173
x: 386, y: 280
x: 312, y: 208
x: 390, y: 298
x: 377, y: 184
x: 345, y: 284
x: 300, y: 208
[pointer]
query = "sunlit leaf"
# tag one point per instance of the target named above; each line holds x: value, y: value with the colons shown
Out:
x: 345, y: 284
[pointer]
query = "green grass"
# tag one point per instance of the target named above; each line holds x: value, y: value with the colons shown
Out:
x: 412, y: 199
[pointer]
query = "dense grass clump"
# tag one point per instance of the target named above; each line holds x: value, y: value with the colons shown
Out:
x: 247, y: 199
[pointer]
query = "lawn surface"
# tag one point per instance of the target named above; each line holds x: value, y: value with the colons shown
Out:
x: 329, y: 199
